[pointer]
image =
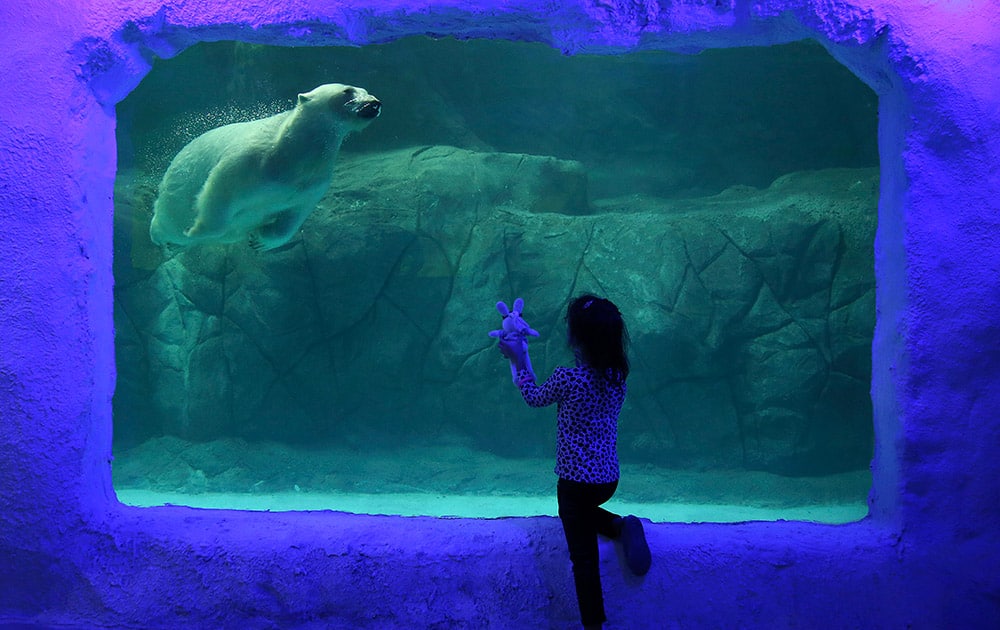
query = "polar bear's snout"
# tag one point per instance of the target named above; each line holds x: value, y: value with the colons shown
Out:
x: 371, y: 107
x: 359, y: 102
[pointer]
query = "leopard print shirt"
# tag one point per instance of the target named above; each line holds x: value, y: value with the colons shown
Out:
x: 588, y: 408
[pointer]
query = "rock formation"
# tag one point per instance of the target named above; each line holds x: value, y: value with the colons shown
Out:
x: 750, y: 313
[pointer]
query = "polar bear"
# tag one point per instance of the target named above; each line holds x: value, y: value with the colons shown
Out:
x: 257, y: 181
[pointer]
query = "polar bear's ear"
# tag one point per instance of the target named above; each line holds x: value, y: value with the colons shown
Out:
x: 304, y: 98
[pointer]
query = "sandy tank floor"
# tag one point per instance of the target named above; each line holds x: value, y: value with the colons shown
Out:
x: 453, y: 481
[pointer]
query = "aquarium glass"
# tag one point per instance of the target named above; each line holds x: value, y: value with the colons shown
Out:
x: 725, y: 201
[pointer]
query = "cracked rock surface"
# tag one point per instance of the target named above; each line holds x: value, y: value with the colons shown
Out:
x: 750, y: 313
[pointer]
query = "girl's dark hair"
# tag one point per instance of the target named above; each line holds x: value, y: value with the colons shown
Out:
x: 597, y: 330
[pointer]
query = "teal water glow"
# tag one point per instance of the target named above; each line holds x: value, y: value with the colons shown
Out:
x: 726, y: 201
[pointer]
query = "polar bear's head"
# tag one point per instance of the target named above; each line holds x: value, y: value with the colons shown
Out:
x: 349, y: 105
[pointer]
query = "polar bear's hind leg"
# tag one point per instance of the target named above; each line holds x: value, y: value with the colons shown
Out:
x: 204, y: 228
x: 212, y: 206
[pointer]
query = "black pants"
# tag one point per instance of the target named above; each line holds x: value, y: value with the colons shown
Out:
x: 582, y: 520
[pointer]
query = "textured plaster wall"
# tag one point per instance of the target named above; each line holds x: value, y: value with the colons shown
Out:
x: 925, y: 557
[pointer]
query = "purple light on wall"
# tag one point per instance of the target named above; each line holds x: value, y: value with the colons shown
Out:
x: 925, y: 556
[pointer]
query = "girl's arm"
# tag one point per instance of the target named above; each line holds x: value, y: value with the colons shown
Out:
x: 515, y: 348
x: 551, y: 391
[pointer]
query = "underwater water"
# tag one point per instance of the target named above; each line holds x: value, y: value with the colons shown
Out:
x: 726, y: 201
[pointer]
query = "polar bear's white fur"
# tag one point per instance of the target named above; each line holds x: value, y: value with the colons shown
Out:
x: 257, y: 181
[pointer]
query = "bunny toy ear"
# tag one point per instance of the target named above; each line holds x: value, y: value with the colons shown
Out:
x: 502, y: 308
x: 518, y: 306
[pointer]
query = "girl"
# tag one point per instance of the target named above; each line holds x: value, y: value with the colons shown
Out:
x: 589, y: 398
